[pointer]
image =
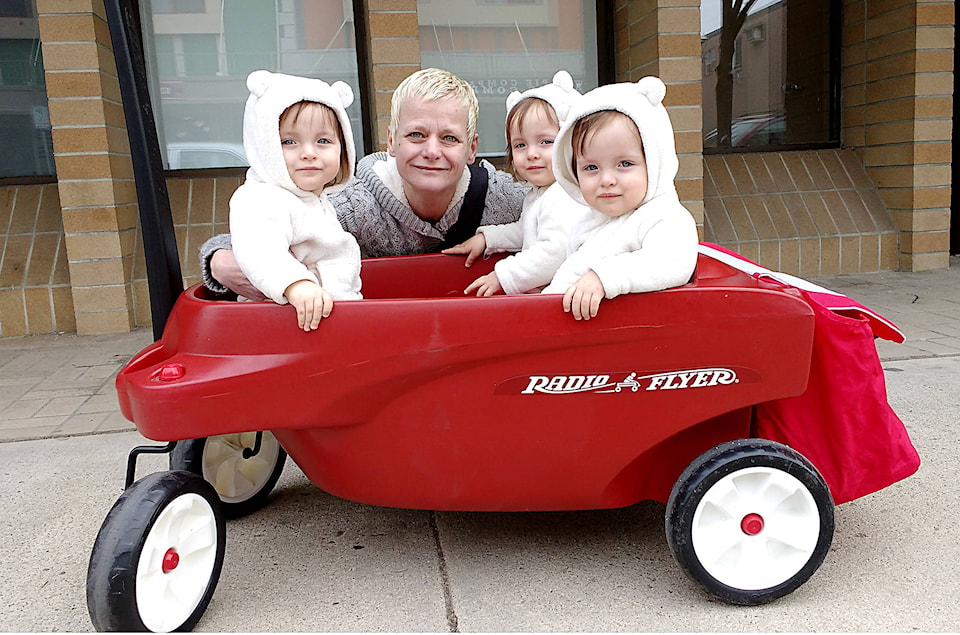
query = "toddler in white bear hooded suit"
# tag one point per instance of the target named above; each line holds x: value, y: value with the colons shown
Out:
x: 281, y: 233
x: 548, y: 217
x: 653, y: 247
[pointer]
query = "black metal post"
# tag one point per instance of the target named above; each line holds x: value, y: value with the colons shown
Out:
x: 164, y: 278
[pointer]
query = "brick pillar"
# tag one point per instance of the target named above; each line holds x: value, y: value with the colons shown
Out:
x: 394, y: 35
x: 662, y: 38
x: 92, y: 154
x: 897, y: 115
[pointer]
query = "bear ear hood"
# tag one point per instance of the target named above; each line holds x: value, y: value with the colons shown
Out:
x: 643, y: 103
x: 560, y: 94
x: 270, y: 95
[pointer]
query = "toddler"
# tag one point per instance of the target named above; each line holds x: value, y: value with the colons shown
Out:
x: 548, y: 215
x: 616, y: 153
x: 286, y: 236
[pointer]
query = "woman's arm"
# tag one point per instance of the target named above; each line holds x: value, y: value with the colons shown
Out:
x: 220, y: 270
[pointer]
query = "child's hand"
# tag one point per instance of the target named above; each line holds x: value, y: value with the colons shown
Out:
x: 311, y: 301
x: 473, y: 247
x: 485, y: 285
x: 583, y: 297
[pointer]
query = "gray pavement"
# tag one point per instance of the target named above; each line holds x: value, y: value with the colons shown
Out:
x: 312, y: 562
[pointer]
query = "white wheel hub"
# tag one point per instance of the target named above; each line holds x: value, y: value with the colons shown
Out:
x: 235, y: 478
x: 177, y: 561
x: 755, y: 528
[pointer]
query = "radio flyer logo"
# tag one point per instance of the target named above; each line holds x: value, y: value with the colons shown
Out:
x: 621, y: 382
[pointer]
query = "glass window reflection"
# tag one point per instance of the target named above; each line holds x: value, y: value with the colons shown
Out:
x: 767, y: 73
x: 201, y: 54
x: 504, y: 45
x: 24, y: 114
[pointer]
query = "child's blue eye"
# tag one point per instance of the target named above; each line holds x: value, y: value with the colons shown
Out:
x: 286, y: 142
x: 626, y: 164
x: 519, y: 145
x: 547, y: 142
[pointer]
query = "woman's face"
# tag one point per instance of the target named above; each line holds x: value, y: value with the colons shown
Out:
x: 431, y: 145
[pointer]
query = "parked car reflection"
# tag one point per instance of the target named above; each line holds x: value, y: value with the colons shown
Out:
x: 767, y: 129
x: 189, y: 155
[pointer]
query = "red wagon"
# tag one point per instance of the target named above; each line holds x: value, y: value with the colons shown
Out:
x: 419, y: 397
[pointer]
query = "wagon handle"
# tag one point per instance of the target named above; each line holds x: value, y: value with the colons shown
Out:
x: 144, y: 449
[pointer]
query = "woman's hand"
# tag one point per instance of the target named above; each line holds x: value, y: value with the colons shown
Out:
x: 473, y: 247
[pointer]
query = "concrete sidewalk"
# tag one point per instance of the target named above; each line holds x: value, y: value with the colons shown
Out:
x: 62, y: 385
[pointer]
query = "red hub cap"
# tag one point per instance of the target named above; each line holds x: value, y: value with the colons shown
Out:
x: 752, y: 524
x: 170, y: 560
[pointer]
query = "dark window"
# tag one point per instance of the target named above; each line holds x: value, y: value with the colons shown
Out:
x: 16, y: 9
x: 24, y: 117
x: 769, y: 74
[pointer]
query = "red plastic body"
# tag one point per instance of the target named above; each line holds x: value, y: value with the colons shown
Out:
x: 423, y: 398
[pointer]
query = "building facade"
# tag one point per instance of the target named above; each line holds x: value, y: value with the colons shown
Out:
x: 854, y: 176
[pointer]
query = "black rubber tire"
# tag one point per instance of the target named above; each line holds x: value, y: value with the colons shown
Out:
x: 738, y: 457
x: 189, y: 455
x: 112, y: 593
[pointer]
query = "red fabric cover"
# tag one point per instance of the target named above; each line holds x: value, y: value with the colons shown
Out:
x: 843, y: 423
x: 836, y: 302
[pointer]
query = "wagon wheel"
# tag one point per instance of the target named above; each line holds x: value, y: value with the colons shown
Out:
x: 242, y: 473
x: 156, y: 561
x: 750, y: 520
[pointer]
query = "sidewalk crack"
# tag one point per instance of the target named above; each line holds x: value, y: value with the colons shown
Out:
x: 444, y: 578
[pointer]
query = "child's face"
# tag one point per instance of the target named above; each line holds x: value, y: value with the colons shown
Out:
x: 311, y: 147
x: 532, y: 147
x: 431, y: 144
x: 612, y: 169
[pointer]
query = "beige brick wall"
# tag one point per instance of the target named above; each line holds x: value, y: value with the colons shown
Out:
x: 394, y: 34
x: 897, y: 101
x: 35, y: 295
x: 808, y: 213
x: 662, y: 38
x: 95, y: 178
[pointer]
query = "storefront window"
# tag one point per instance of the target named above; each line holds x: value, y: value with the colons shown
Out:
x: 202, y: 51
x: 24, y: 117
x: 504, y: 45
x: 769, y: 74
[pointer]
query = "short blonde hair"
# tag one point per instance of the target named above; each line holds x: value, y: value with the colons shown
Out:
x: 294, y: 110
x: 433, y: 84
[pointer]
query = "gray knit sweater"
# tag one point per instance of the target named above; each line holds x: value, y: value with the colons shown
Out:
x: 385, y: 225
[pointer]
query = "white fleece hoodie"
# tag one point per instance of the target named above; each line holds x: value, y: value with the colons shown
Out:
x: 281, y: 233
x: 653, y: 247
